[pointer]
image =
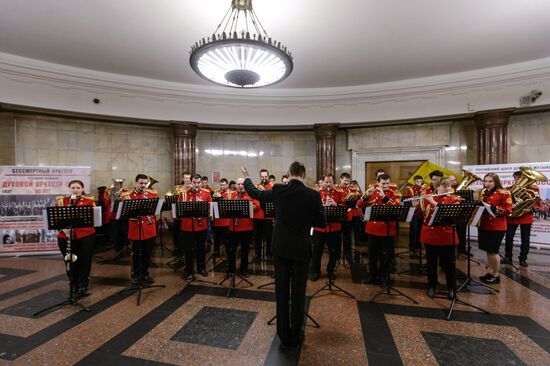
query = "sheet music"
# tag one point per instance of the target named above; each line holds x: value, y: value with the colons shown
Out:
x: 97, y: 217
x: 410, y: 214
x: 476, y: 216
x: 366, y: 217
x: 433, y: 216
x: 174, y: 210
x: 119, y: 211
x: 159, y: 206
x: 488, y: 208
x: 214, y: 210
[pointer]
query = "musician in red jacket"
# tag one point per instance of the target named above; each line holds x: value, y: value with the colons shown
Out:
x: 240, y: 232
x: 331, y: 195
x: 416, y: 222
x: 143, y: 241
x: 439, y: 240
x: 351, y: 194
x: 524, y: 222
x: 219, y: 226
x: 380, y: 234
x: 492, y: 229
x: 193, y: 230
x: 83, y: 240
x: 263, y: 226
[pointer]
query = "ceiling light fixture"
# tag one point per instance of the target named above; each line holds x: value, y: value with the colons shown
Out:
x: 239, y: 53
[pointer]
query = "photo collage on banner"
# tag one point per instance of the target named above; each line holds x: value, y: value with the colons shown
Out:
x: 540, y: 232
x: 25, y: 191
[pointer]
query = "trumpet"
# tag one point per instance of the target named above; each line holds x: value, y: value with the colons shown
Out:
x: 423, y: 196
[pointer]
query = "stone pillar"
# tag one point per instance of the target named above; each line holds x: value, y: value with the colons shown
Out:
x: 492, y: 136
x: 184, y: 147
x: 325, y: 135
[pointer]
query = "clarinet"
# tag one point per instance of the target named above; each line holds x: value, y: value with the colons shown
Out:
x: 149, y: 221
x: 69, y: 256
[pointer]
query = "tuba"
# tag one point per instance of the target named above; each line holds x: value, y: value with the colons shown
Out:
x: 524, y: 197
x: 467, y: 180
x: 151, y: 182
x: 116, y: 188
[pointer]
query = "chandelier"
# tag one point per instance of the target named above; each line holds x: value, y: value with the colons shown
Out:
x: 239, y: 53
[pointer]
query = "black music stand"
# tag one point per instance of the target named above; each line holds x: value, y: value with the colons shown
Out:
x: 334, y: 214
x: 389, y: 214
x: 233, y: 209
x: 452, y: 215
x: 213, y: 254
x: 137, y: 208
x: 410, y: 271
x: 69, y: 217
x: 469, y: 281
x: 192, y: 210
x: 166, y: 206
x: 126, y: 250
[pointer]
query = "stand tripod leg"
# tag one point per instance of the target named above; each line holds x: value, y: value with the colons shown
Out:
x: 328, y: 287
x: 316, y: 325
x: 266, y: 284
x: 456, y: 300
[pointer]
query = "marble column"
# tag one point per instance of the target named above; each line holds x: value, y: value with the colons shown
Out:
x: 325, y: 135
x: 184, y: 148
x: 492, y: 136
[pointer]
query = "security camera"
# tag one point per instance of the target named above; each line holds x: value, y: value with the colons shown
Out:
x: 535, y: 94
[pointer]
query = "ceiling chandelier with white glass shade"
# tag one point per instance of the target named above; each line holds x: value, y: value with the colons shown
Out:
x: 239, y: 53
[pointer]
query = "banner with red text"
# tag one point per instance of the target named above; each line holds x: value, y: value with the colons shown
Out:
x: 24, y: 192
x: 540, y: 231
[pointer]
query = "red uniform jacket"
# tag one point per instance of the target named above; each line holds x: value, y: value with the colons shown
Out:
x: 338, y: 197
x: 243, y: 224
x: 502, y: 200
x: 352, y: 212
x: 380, y: 228
x: 106, y: 206
x: 80, y: 201
x: 259, y: 214
x: 438, y: 235
x: 222, y: 222
x: 148, y: 223
x: 526, y: 218
x: 199, y: 223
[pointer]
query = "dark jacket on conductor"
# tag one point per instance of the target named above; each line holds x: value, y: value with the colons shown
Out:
x: 297, y: 209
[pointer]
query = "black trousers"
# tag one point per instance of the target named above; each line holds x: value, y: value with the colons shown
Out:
x: 118, y: 234
x: 333, y: 243
x: 358, y: 227
x: 194, y: 241
x: 220, y: 237
x: 347, y: 229
x: 525, y: 232
x: 414, y: 234
x: 146, y: 248
x: 263, y: 229
x: 236, y: 238
x: 381, y: 249
x: 176, y: 238
x: 80, y: 270
x: 445, y: 255
x: 461, y: 231
x: 290, y: 288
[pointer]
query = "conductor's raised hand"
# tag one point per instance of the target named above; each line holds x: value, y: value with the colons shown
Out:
x: 244, y: 172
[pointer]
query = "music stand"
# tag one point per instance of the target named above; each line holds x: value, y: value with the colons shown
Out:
x: 234, y: 209
x: 389, y: 214
x: 166, y: 206
x: 334, y: 214
x: 410, y: 271
x: 452, y: 215
x: 137, y: 208
x: 469, y: 281
x: 69, y: 217
x: 191, y: 210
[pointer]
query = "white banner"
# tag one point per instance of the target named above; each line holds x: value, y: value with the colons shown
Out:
x: 24, y: 192
x: 540, y: 231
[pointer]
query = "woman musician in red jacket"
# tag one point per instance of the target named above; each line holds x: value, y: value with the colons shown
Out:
x: 82, y: 243
x: 439, y: 240
x: 492, y: 229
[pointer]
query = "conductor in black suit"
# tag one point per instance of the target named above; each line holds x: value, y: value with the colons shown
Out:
x: 297, y: 209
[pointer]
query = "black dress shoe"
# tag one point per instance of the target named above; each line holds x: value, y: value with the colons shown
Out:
x: 148, y: 279
x: 74, y: 289
x: 244, y: 273
x: 314, y: 277
x: 484, y: 277
x: 203, y: 272
x: 82, y: 290
x: 492, y: 279
x: 451, y: 294
x: 186, y: 273
x: 506, y: 260
x: 523, y: 263
x: 135, y: 281
x: 371, y: 280
x: 431, y: 291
